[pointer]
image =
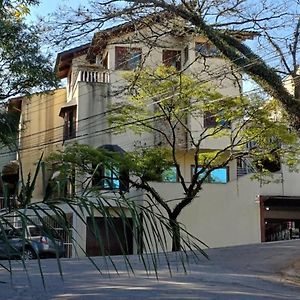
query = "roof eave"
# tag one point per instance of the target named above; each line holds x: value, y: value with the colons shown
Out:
x: 64, y: 59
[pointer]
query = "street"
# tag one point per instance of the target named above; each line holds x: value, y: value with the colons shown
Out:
x: 241, y: 272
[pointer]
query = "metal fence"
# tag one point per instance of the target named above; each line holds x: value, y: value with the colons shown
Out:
x: 64, y: 233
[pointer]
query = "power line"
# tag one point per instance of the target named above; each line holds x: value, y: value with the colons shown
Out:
x: 61, y: 126
x: 88, y: 118
x: 96, y: 133
x: 213, y: 70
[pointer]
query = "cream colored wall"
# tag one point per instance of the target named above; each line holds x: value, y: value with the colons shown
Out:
x: 73, y: 73
x: 92, y: 103
x: 42, y: 131
x: 228, y: 214
x: 289, y: 83
x: 222, y: 214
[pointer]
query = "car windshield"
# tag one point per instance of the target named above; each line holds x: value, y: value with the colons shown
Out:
x: 35, y: 231
x: 39, y: 231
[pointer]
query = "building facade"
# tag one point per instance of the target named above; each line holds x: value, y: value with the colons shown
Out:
x: 231, y: 208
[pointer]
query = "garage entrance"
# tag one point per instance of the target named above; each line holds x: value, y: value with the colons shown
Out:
x: 109, y: 237
x: 280, y: 218
x: 277, y: 230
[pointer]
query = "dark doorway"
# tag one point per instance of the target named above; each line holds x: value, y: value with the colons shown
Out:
x: 109, y: 237
x: 280, y: 218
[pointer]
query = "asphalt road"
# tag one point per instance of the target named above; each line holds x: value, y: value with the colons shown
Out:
x: 243, y: 272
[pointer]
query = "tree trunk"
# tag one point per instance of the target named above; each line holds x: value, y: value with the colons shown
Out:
x: 175, y: 232
x: 296, y: 81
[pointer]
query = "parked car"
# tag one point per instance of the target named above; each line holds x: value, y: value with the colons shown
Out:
x: 31, y: 242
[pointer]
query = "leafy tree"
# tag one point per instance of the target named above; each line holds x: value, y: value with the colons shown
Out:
x: 163, y: 102
x: 15, y: 8
x: 24, y: 69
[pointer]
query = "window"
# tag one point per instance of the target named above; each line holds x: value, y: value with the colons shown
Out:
x: 16, y: 233
x: 219, y: 175
x: 251, y: 145
x: 70, y: 123
x: 206, y: 49
x: 172, y: 58
x: 35, y: 231
x: 110, y: 178
x: 170, y: 175
x: 210, y: 120
x: 106, y: 178
x: 60, y: 185
x: 127, y: 58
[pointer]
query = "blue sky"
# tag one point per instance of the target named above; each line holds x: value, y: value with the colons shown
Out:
x: 49, y: 6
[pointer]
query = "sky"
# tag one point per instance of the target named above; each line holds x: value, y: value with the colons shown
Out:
x: 49, y: 6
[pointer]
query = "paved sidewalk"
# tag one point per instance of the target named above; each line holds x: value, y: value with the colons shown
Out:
x: 245, y: 272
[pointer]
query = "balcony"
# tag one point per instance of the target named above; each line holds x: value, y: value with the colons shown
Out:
x: 88, y: 74
x: 92, y: 76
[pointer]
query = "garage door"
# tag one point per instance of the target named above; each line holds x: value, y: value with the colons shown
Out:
x: 112, y: 237
x: 280, y: 217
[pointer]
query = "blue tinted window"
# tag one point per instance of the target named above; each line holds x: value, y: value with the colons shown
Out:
x: 219, y: 175
x: 111, y: 178
x: 134, y: 59
x: 170, y: 175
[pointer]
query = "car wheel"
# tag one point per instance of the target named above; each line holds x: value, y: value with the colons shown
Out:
x: 28, y: 254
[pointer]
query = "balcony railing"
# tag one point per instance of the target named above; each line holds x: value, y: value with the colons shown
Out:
x: 87, y: 73
x: 93, y: 76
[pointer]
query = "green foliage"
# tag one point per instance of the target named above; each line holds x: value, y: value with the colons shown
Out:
x: 164, y: 100
x: 27, y: 189
x: 9, y: 126
x: 274, y: 139
x: 149, y: 163
x: 24, y: 69
x: 82, y: 157
x: 16, y: 9
x: 160, y: 93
